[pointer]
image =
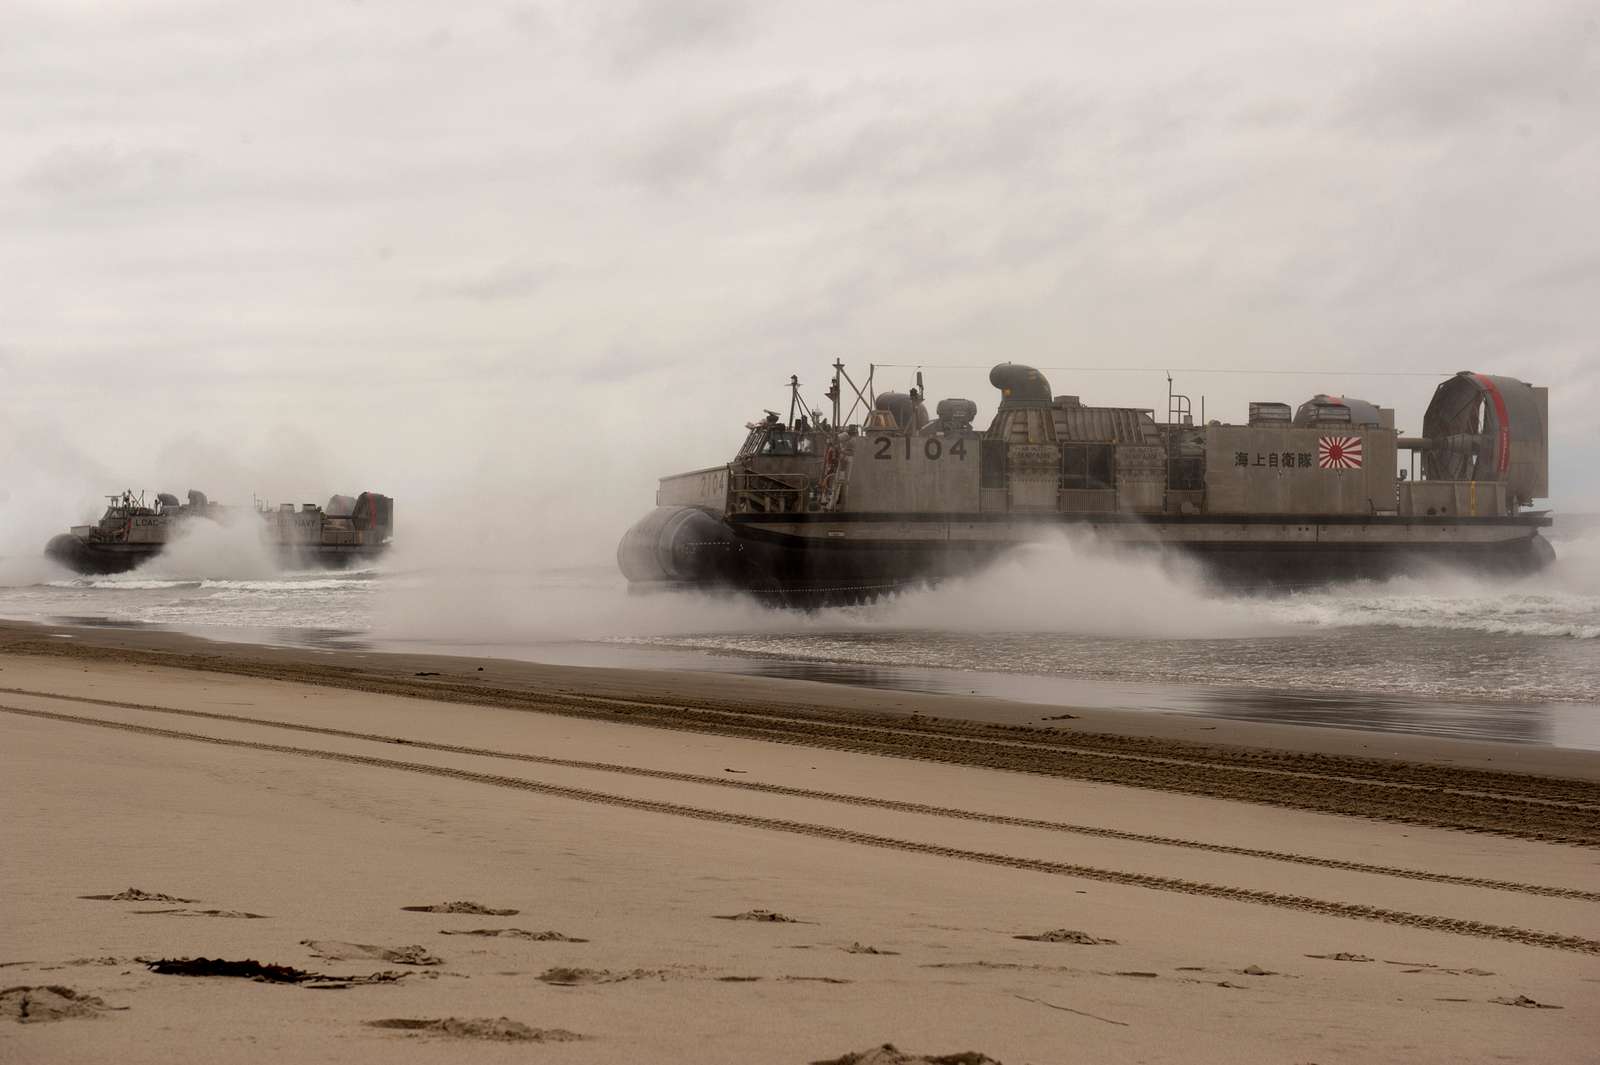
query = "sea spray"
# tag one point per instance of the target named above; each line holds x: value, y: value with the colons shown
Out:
x: 1562, y: 601
x: 201, y: 549
x: 1078, y: 585
x: 1059, y: 584
x: 31, y: 568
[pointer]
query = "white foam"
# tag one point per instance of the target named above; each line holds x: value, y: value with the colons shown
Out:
x: 304, y: 584
x: 125, y: 584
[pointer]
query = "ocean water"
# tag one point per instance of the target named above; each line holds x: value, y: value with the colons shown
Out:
x: 1059, y: 622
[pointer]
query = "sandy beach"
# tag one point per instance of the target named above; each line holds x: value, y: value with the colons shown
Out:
x: 726, y: 869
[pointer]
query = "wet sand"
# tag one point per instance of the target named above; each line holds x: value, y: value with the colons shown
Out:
x: 1200, y: 890
x: 439, y: 675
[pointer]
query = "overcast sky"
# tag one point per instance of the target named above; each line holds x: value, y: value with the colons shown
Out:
x: 530, y: 256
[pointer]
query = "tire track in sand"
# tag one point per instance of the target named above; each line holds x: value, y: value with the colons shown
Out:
x: 702, y: 713
x: 845, y: 798
x: 1325, y: 907
x: 1550, y: 809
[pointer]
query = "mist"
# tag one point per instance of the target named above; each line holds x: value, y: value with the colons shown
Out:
x: 510, y: 265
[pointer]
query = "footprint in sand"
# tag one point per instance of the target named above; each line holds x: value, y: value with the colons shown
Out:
x: 515, y: 933
x: 563, y: 976
x: 134, y: 894
x: 33, y: 1005
x: 815, y: 980
x: 338, y: 950
x: 1524, y: 1002
x: 1007, y: 965
x: 1409, y: 967
x: 889, y: 1054
x: 476, y: 908
x: 184, y: 912
x: 1068, y: 935
x: 76, y: 962
x: 497, y: 1029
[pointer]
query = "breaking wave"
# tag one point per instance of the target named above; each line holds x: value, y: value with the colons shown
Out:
x: 1509, y: 614
x: 288, y: 583
x: 115, y: 584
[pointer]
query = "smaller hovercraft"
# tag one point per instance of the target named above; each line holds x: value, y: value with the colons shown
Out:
x: 350, y: 529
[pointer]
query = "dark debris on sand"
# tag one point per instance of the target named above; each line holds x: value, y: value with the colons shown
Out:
x: 248, y: 969
x: 889, y: 1054
x: 498, y: 1029
x: 263, y: 972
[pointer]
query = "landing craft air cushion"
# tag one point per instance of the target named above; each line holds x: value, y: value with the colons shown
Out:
x: 349, y: 529
x: 813, y: 509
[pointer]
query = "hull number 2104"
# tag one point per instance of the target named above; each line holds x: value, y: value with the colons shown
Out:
x: 933, y: 448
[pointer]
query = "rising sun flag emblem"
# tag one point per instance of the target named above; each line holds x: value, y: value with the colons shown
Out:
x: 1339, y: 452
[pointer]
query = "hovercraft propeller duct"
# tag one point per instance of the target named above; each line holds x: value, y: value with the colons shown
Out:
x: 1479, y: 427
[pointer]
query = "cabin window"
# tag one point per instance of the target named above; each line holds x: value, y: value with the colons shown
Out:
x: 779, y: 443
x: 1087, y: 465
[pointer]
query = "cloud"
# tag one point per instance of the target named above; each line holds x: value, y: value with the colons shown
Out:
x: 106, y: 172
x: 1522, y: 63
x: 791, y: 139
x: 439, y: 245
x: 509, y: 280
x: 635, y: 34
